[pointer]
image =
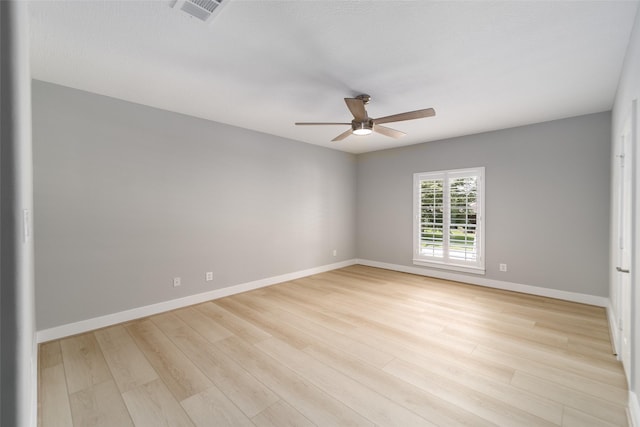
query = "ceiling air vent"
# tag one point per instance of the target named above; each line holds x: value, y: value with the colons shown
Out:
x: 204, y: 10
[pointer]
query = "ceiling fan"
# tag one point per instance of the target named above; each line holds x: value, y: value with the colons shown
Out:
x: 362, y: 124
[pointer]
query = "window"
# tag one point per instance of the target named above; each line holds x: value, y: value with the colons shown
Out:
x: 449, y: 219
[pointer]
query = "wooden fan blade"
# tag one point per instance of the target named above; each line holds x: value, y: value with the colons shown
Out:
x: 388, y: 131
x: 342, y: 136
x: 356, y: 106
x: 418, y: 114
x: 320, y: 123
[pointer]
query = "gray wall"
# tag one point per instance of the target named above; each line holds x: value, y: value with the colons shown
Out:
x: 547, y: 197
x: 128, y: 196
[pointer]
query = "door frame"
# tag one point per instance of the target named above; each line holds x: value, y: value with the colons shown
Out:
x: 624, y: 188
x: 623, y: 306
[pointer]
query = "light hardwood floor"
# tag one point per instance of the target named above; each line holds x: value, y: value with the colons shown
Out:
x: 356, y: 346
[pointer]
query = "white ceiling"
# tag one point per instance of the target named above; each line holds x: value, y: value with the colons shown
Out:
x: 265, y: 64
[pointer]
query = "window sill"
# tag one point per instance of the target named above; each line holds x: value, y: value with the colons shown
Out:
x: 452, y: 267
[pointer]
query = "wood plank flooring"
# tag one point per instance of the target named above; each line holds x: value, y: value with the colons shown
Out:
x: 358, y: 346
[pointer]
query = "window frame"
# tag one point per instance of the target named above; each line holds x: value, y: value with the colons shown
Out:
x: 445, y: 262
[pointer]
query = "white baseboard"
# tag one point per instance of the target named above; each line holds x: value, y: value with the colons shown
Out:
x: 149, y: 310
x: 633, y: 410
x: 491, y: 283
x: 613, y: 330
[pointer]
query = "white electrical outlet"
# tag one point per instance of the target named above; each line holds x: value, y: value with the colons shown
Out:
x: 176, y: 282
x: 503, y: 267
x: 209, y: 276
x: 335, y: 252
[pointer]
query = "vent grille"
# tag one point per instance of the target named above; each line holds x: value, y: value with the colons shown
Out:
x: 209, y: 5
x: 200, y: 9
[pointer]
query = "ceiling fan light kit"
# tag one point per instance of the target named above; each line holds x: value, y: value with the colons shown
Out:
x: 362, y: 124
x: 361, y: 128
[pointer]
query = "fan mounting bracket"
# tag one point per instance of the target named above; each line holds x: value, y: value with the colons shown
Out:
x: 364, y: 98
